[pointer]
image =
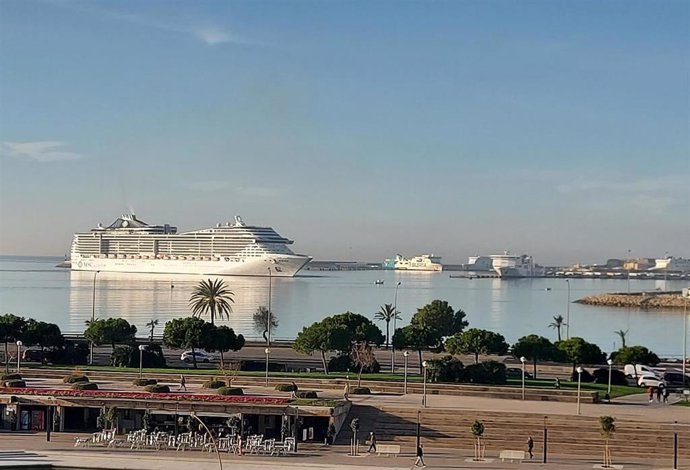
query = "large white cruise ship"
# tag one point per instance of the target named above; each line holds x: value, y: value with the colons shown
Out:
x: 418, y: 263
x: 131, y: 245
x: 507, y: 265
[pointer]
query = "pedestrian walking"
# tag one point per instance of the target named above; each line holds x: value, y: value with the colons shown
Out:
x: 420, y: 457
x: 294, y: 390
x: 650, y: 393
x: 659, y: 389
x: 557, y: 384
x: 530, y: 446
x: 666, y: 394
x: 372, y: 442
x: 346, y: 391
x: 183, y: 384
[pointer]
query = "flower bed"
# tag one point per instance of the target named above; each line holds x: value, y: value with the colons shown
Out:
x: 145, y: 396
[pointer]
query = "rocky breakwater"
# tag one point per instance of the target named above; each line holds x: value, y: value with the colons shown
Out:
x: 642, y: 300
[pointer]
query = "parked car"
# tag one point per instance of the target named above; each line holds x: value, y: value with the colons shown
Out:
x: 650, y: 380
x: 675, y: 380
x: 601, y: 376
x: 641, y: 370
x: 516, y: 373
x: 201, y: 356
x: 32, y: 354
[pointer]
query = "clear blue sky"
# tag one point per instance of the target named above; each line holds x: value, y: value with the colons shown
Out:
x: 359, y: 129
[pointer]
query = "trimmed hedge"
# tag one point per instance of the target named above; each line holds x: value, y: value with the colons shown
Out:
x: 306, y: 394
x: 144, y: 382
x: 84, y: 386
x: 229, y: 391
x: 15, y: 383
x: 157, y: 388
x: 73, y: 379
x: 213, y: 384
x: 10, y: 377
x: 285, y: 388
x: 360, y: 391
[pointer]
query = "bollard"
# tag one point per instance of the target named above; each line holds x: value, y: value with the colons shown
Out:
x: 546, y: 443
x: 675, y: 451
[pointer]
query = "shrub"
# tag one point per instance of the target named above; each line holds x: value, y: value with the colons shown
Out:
x: 488, y: 372
x: 285, y: 388
x: 73, y: 379
x: 144, y: 382
x: 360, y: 391
x: 73, y: 353
x: 586, y: 377
x: 601, y: 376
x: 446, y: 369
x: 213, y: 384
x: 15, y: 383
x: 306, y: 394
x: 229, y: 391
x: 10, y: 377
x: 84, y: 386
x: 344, y: 363
x: 157, y: 388
x: 128, y: 356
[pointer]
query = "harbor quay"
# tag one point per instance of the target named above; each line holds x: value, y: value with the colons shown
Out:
x: 645, y: 435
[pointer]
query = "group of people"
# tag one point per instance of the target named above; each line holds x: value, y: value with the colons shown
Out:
x: 660, y: 392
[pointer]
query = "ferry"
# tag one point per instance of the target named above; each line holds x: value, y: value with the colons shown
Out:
x: 515, y: 266
x: 417, y: 263
x: 131, y: 245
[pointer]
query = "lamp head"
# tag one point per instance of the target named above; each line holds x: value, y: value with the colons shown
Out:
x: 406, y: 353
x: 19, y: 343
x: 267, y: 350
x: 609, y: 361
x: 142, y: 347
x: 522, y: 359
x: 425, y: 363
x: 579, y: 370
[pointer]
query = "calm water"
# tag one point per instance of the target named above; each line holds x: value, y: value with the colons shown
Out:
x: 33, y: 287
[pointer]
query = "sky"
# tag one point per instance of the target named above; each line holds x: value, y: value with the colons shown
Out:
x: 360, y: 129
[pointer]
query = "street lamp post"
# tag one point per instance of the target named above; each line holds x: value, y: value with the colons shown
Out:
x: 268, y: 352
x: 629, y: 266
x: 268, y: 320
x: 567, y: 313
x: 395, y: 318
x: 579, y: 382
x: 609, y: 361
x: 522, y: 359
x: 405, y: 354
x: 686, y: 294
x: 141, y: 359
x: 424, y: 364
x: 19, y: 356
x: 93, y: 314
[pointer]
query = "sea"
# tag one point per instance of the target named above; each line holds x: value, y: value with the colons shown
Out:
x: 34, y: 287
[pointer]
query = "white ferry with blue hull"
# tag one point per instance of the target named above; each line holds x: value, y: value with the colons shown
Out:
x: 131, y: 245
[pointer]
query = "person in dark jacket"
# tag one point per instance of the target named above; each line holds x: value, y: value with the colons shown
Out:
x: 420, y: 457
x: 530, y: 446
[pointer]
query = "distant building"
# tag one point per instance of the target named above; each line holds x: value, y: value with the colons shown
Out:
x: 614, y: 263
x: 638, y: 264
x: 671, y: 264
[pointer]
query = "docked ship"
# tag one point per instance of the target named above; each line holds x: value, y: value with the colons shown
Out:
x: 131, y: 245
x: 417, y: 263
x: 508, y: 265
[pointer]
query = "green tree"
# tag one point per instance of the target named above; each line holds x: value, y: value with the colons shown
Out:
x: 45, y: 335
x: 622, y: 334
x: 11, y: 329
x: 212, y: 297
x: 534, y: 348
x: 557, y: 323
x: 440, y: 319
x: 260, y: 318
x: 607, y: 425
x: 417, y: 338
x: 387, y: 314
x: 635, y: 355
x: 221, y: 339
x: 476, y: 341
x: 183, y: 333
x: 151, y: 326
x: 111, y: 331
x: 578, y: 351
x: 314, y: 338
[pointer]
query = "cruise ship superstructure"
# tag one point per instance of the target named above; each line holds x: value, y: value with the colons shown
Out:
x: 131, y: 245
x: 417, y: 263
x: 508, y: 265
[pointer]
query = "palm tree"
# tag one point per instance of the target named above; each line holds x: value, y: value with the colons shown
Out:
x: 261, y: 317
x: 213, y: 297
x: 152, y: 325
x: 387, y: 313
x: 622, y: 335
x: 557, y: 323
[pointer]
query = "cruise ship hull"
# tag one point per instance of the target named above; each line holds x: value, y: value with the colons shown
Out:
x: 281, y: 265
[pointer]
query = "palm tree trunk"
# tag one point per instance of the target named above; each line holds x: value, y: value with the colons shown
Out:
x: 222, y: 364
x: 194, y: 357
x: 559, y: 332
x: 7, y: 359
x: 534, y: 364
x: 420, y: 360
x: 323, y: 360
x: 388, y: 324
x: 476, y: 358
x: 213, y: 314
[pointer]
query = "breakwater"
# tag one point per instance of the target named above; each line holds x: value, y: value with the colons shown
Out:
x: 641, y: 300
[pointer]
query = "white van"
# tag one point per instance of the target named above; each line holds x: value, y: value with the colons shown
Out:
x: 642, y: 370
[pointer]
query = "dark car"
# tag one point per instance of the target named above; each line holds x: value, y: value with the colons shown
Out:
x: 32, y: 354
x: 516, y: 373
x: 676, y: 380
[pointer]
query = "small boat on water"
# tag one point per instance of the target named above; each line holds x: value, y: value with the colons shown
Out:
x: 379, y: 282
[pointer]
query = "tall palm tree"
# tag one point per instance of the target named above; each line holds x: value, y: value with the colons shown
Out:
x: 212, y: 297
x: 557, y: 323
x: 622, y: 334
x: 151, y: 325
x: 387, y: 314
